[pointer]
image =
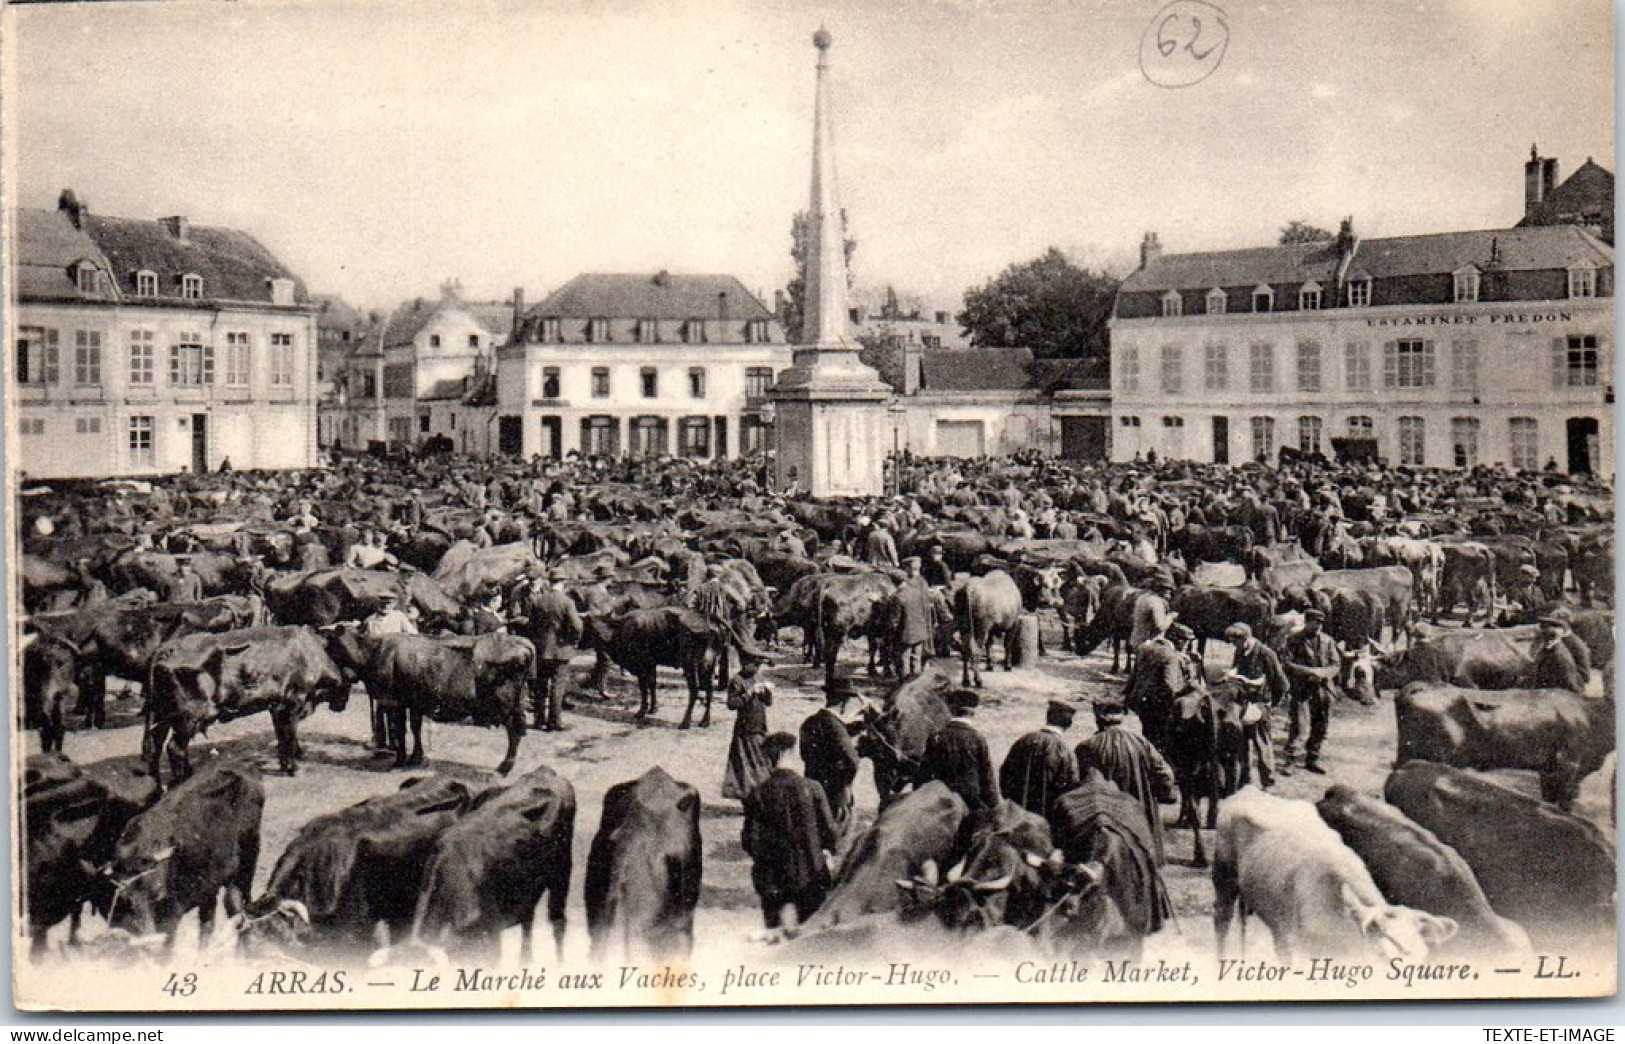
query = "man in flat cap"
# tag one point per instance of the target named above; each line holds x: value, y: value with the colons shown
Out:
x: 1313, y: 664
x: 935, y: 568
x: 789, y: 834
x: 1040, y: 766
x: 1162, y: 673
x: 1260, y: 684
x: 1132, y: 763
x: 913, y: 621
x: 958, y: 756
x: 827, y: 749
x: 1556, y: 664
x: 1151, y: 615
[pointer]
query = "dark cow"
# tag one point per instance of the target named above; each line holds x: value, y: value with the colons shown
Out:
x: 986, y: 608
x: 1500, y: 658
x: 204, y: 678
x: 1551, y: 872
x: 351, y: 869
x: 922, y: 827
x: 645, y: 640
x: 1114, y: 622
x: 1212, y: 543
x: 994, y: 883
x: 1467, y: 577
x: 72, y: 817
x: 329, y: 596
x: 1206, y: 747
x: 1412, y: 867
x: 411, y: 676
x: 1391, y: 586
x: 644, y: 869
x: 50, y: 688
x: 201, y: 838
x: 851, y: 604
x: 1080, y: 601
x: 1207, y: 611
x: 47, y: 585
x: 1554, y: 732
x: 491, y: 868
x: 894, y: 738
x: 1592, y: 563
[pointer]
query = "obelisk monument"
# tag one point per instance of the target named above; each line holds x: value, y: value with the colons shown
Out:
x: 830, y: 406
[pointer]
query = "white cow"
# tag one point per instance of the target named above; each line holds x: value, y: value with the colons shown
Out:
x: 1280, y: 859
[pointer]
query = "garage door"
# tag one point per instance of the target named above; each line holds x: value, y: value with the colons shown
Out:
x: 959, y: 439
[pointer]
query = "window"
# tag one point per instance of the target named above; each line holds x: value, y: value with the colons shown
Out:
x: 86, y: 278
x: 1583, y: 281
x: 1309, y: 297
x: 1263, y: 438
x: 1412, y: 442
x: 548, y: 330
x: 1467, y: 285
x: 1356, y: 367
x: 1217, y: 301
x: 1172, y: 306
x: 36, y: 355
x: 1309, y: 430
x: 756, y: 331
x: 550, y: 382
x: 1173, y: 437
x: 598, y: 331
x: 696, y: 383
x: 141, y: 358
x: 423, y: 423
x: 1262, y: 360
x: 369, y: 385
x: 192, y: 287
x: 1359, y: 293
x: 1218, y: 367
x: 140, y: 442
x: 600, y: 436
x: 931, y: 342
x: 473, y: 340
x: 1361, y: 427
x: 758, y: 379
x: 238, y: 358
x: 1464, y: 366
x: 31, y: 426
x: 1407, y: 364
x: 1308, y: 366
x: 648, y: 331
x: 694, y: 437
x: 1172, y: 379
x: 1464, y: 441
x: 87, y: 425
x: 87, y: 358
x: 1131, y: 368
x: 1574, y: 362
x: 1263, y: 299
x: 434, y: 340
x: 600, y: 382
x: 647, y: 437
x: 191, y: 362
x: 282, y: 360
x: 146, y: 284
x: 694, y: 331
x: 1130, y: 422
x: 649, y: 381
x: 1524, y: 442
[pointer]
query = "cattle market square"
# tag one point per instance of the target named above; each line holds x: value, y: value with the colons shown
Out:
x: 422, y: 667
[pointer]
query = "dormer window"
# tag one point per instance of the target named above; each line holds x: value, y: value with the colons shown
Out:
x: 281, y: 291
x: 1217, y: 301
x: 648, y: 331
x: 756, y: 331
x: 694, y: 331
x: 547, y: 331
x: 434, y: 340
x: 192, y: 287
x: 1263, y: 298
x: 1359, y: 293
x: 146, y: 284
x: 1466, y: 285
x: 1582, y: 281
x: 598, y: 331
x: 1172, y: 306
x: 1309, y: 297
x: 86, y: 278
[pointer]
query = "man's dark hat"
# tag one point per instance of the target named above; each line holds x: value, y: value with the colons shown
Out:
x: 1110, y: 708
x: 1315, y: 615
x: 961, y: 700
x: 1062, y: 710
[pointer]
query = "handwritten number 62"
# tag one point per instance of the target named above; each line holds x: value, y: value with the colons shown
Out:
x: 1167, y: 44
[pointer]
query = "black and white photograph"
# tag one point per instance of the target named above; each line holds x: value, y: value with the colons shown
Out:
x: 773, y: 503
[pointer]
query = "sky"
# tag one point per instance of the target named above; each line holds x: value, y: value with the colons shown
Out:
x: 380, y: 148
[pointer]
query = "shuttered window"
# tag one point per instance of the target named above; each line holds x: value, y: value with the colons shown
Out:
x: 1408, y: 364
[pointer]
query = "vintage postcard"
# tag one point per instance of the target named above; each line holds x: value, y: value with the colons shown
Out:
x: 744, y: 503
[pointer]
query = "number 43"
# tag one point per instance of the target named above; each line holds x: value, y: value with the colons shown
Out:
x: 181, y: 985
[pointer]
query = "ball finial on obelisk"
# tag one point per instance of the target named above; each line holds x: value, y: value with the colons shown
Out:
x: 822, y: 39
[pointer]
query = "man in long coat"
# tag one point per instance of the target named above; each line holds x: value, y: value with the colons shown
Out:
x: 788, y: 832
x: 1097, y: 822
x: 957, y: 755
x: 828, y: 752
x: 551, y: 622
x: 1040, y: 766
x: 1261, y: 684
x: 1132, y: 764
x: 1163, y: 672
x: 914, y: 618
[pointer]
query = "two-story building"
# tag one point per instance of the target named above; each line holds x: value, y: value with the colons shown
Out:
x: 641, y: 364
x: 1448, y: 350
x: 144, y: 347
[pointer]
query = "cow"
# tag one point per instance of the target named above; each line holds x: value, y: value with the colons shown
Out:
x: 50, y: 688
x: 1551, y: 872
x: 985, y: 608
x: 1500, y: 658
x: 1425, y: 560
x: 72, y: 817
x: 1097, y: 824
x: 850, y: 604
x: 1467, y: 577
x: 922, y: 827
x: 1279, y: 859
x: 644, y: 640
x: 1197, y: 543
x: 1208, y: 611
x: 465, y: 576
x: 1113, y: 622
x: 997, y: 882
x: 204, y: 678
x: 1563, y: 736
x: 1206, y: 747
x: 1080, y: 601
x: 894, y: 738
x: 411, y: 676
x: 644, y: 869
x: 1390, y: 586
x: 1592, y: 563
x: 329, y: 596
x: 352, y: 869
x: 1412, y: 867
x: 1284, y: 576
x: 491, y: 867
x: 202, y: 838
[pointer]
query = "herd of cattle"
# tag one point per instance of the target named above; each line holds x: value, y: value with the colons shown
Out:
x: 1450, y: 857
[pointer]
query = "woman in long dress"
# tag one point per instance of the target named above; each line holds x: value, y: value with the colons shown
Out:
x: 748, y: 763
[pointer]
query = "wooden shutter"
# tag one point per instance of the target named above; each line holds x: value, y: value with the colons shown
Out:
x: 1560, y: 362
x: 1390, y: 364
x: 586, y: 435
x: 52, y: 357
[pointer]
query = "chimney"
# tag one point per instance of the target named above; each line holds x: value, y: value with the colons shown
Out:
x: 1539, y: 179
x: 722, y: 305
x: 781, y: 306
x: 942, y: 318
x: 1346, y: 240
x: 70, y: 204
x: 176, y: 225
x: 913, y: 366
x: 1150, y: 249
x: 661, y: 278
x: 518, y: 311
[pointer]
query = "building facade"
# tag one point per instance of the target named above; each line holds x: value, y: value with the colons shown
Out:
x: 1450, y: 350
x: 647, y: 365
x: 148, y: 347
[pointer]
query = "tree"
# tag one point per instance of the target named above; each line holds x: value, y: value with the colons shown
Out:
x: 884, y: 352
x: 1050, y: 306
x: 1304, y: 232
x: 796, y: 291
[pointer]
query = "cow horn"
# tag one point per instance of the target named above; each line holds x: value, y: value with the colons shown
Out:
x: 164, y: 854
x: 928, y: 872
x: 998, y: 884
x: 956, y: 871
x: 1034, y: 861
x: 295, y: 907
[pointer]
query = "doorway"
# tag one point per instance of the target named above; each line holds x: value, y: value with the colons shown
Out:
x: 553, y: 438
x: 200, y: 443
x: 1584, y: 449
x: 1221, y: 440
x: 1084, y: 438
